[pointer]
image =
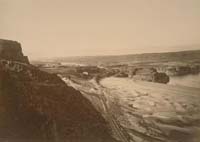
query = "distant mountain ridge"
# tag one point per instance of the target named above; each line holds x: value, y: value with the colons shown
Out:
x: 181, y: 56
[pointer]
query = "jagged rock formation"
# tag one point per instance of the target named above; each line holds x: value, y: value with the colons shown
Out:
x: 36, y: 106
x: 11, y: 50
x: 151, y: 75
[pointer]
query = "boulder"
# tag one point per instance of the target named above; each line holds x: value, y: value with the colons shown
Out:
x: 161, y: 78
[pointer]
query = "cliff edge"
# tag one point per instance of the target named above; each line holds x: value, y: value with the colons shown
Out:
x: 11, y: 50
x: 36, y: 106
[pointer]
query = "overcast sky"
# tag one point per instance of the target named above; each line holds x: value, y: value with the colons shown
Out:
x: 50, y: 28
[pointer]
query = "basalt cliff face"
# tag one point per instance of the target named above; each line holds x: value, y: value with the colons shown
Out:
x: 36, y: 106
x: 11, y: 50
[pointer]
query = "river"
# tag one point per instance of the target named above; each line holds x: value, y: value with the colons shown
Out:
x: 187, y: 80
x: 155, y: 112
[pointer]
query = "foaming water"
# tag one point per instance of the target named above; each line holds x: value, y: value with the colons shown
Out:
x: 187, y: 80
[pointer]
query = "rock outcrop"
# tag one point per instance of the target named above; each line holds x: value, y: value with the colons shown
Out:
x: 182, y: 70
x: 36, y: 106
x: 151, y: 75
x: 11, y: 50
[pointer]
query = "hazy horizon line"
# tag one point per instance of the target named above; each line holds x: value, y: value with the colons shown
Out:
x: 107, y: 55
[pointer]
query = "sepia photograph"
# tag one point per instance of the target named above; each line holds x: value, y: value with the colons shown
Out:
x: 99, y: 70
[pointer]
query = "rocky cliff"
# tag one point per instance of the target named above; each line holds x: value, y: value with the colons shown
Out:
x: 11, y: 50
x: 179, y: 70
x: 182, y: 70
x: 150, y: 74
x: 36, y: 106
